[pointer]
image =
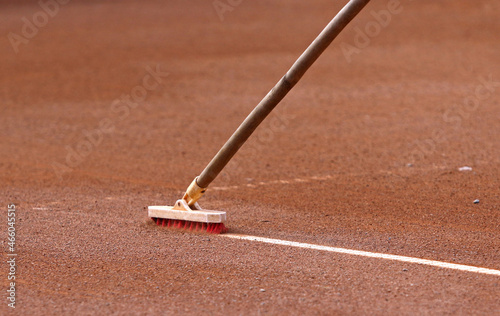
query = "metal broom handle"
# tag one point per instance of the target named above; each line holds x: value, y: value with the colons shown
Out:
x: 348, y: 12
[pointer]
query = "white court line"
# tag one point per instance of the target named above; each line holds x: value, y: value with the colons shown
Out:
x: 433, y: 263
x: 297, y: 180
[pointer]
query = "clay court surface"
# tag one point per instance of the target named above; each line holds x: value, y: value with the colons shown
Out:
x: 361, y: 155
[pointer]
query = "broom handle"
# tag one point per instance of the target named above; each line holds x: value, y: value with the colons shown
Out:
x: 279, y: 91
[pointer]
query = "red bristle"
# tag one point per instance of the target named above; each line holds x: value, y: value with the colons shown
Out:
x: 211, y: 228
x: 223, y: 228
x: 219, y: 228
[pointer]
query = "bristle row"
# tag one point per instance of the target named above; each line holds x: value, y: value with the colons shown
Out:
x: 213, y: 228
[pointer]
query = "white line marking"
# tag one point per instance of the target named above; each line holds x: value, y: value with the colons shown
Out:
x: 439, y: 264
x: 313, y: 178
x: 299, y: 180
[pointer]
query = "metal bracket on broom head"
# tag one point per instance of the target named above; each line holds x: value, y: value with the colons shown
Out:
x: 186, y: 213
x: 187, y: 209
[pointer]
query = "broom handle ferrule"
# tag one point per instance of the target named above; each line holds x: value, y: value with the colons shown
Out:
x: 279, y: 91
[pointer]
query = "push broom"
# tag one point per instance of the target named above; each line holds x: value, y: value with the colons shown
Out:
x: 187, y: 213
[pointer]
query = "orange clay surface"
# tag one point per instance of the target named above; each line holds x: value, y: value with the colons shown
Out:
x: 114, y: 106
